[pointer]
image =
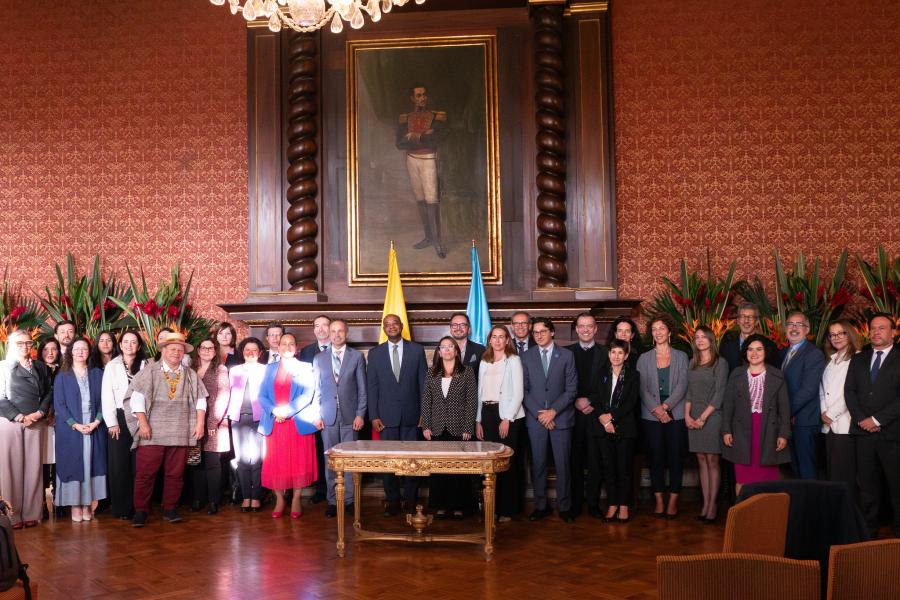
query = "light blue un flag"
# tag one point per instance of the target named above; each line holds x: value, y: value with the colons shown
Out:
x: 477, y: 309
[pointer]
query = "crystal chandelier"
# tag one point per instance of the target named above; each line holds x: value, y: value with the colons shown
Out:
x: 310, y: 15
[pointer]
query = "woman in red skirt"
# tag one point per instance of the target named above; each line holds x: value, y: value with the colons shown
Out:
x: 289, y: 421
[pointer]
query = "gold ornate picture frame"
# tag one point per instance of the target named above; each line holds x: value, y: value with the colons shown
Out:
x: 423, y: 159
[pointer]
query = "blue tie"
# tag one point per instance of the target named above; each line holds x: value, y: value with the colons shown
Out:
x: 876, y: 365
x: 545, y: 359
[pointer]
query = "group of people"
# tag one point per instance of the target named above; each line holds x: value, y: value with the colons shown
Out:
x: 116, y: 417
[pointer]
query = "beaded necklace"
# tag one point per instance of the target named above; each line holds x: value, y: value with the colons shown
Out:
x: 173, y: 383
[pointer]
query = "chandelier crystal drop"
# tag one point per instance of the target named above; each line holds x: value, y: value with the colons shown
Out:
x: 310, y: 15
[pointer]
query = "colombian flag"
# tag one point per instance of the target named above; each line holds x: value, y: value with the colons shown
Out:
x: 393, y: 297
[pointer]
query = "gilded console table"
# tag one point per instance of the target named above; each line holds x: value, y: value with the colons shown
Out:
x: 418, y: 459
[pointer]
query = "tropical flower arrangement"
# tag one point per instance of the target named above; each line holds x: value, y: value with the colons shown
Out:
x: 881, y: 282
x: 17, y: 311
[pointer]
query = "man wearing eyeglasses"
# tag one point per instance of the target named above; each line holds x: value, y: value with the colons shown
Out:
x: 470, y: 351
x: 25, y: 397
x: 748, y: 324
x: 520, y: 325
x: 550, y: 387
x: 802, y: 364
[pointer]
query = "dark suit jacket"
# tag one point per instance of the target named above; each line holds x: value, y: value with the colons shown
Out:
x: 308, y: 353
x: 737, y: 418
x: 624, y: 413
x: 396, y: 403
x: 592, y: 377
x: 456, y: 412
x: 22, y: 393
x: 472, y: 356
x: 557, y: 390
x: 803, y: 376
x: 350, y: 388
x: 880, y: 400
x: 730, y: 350
x: 67, y: 404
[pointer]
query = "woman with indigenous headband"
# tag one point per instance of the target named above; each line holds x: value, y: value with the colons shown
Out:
x: 104, y: 350
x: 756, y: 417
x: 80, y: 433
x: 289, y: 420
x: 500, y: 416
x: 448, y: 415
x: 707, y: 379
x: 117, y: 376
x: 663, y: 389
x: 841, y: 344
x: 26, y: 393
x: 244, y: 412
x: 208, y: 474
x: 50, y: 353
x: 226, y: 337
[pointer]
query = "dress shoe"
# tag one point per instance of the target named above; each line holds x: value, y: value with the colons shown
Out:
x: 195, y: 506
x: 295, y: 515
x: 672, y: 516
x: 392, y: 509
x: 331, y: 511
x: 20, y: 524
x: 125, y: 518
x: 171, y: 515
x: 212, y: 509
x: 245, y: 509
x: 277, y: 514
x: 538, y: 515
x: 595, y: 512
x: 623, y: 519
x: 567, y: 516
x: 140, y: 519
x: 440, y: 515
x: 710, y: 521
x: 30, y: 523
x: 504, y: 519
x: 255, y: 509
x: 457, y: 515
x: 318, y: 498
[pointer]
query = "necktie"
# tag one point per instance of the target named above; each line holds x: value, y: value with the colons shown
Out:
x: 336, y: 364
x: 521, y: 347
x: 788, y: 358
x: 876, y: 365
x: 273, y: 357
x: 545, y: 358
x: 322, y: 348
x: 395, y: 362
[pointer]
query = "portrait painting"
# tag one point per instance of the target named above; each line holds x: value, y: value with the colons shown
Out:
x: 423, y: 159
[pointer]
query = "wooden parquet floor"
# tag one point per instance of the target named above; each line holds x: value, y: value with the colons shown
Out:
x: 238, y: 555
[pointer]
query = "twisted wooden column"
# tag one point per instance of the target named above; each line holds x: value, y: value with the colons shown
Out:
x: 302, y: 191
x: 551, y: 145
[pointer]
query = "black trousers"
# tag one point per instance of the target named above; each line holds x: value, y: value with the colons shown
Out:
x: 448, y: 492
x: 874, y: 456
x: 321, y: 484
x: 408, y: 433
x: 840, y: 450
x: 208, y: 478
x: 666, y: 445
x: 613, y: 457
x: 120, y: 470
x: 579, y: 459
x: 509, y: 483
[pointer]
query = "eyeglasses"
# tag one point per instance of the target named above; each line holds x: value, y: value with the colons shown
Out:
x: 519, y: 323
x: 458, y: 325
x: 207, y: 347
x: 24, y: 344
x: 838, y: 334
x: 799, y: 324
x: 540, y: 331
x: 747, y: 317
x: 447, y: 347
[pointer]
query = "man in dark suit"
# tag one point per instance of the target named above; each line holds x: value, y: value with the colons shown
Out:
x: 340, y: 379
x: 748, y: 324
x: 520, y: 324
x: 471, y: 351
x: 803, y: 364
x: 322, y: 333
x: 395, y: 384
x: 872, y: 392
x: 550, y: 387
x: 590, y: 358
x: 274, y: 331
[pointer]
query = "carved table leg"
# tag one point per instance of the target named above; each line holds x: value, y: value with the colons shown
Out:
x: 489, y: 488
x: 357, y: 499
x: 339, y: 500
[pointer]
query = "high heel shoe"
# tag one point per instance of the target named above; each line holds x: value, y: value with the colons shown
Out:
x: 295, y: 515
x: 277, y: 514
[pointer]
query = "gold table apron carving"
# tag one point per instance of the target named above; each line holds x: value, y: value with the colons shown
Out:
x: 417, y: 459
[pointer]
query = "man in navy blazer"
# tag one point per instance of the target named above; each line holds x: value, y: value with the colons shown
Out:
x: 803, y: 364
x: 471, y: 351
x: 340, y: 379
x: 396, y: 382
x: 550, y: 387
x: 322, y: 333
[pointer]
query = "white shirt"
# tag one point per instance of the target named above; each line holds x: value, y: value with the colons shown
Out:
x: 445, y: 385
x: 138, y: 402
x: 112, y: 392
x: 586, y: 347
x: 831, y: 395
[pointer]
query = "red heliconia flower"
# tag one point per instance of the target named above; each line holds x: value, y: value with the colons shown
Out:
x: 784, y: 296
x: 707, y: 304
x: 798, y: 296
x: 108, y: 304
x: 178, y: 299
x: 172, y: 311
x: 879, y: 291
x: 188, y: 308
x: 701, y: 290
x: 64, y: 299
x: 681, y: 300
x: 16, y: 312
x: 865, y: 293
x: 96, y: 314
x: 820, y: 291
x: 720, y: 298
x: 151, y: 308
x: 892, y: 289
x: 840, y: 298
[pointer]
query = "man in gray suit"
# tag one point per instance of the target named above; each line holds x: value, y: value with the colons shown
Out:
x: 396, y: 382
x: 550, y: 387
x: 340, y: 379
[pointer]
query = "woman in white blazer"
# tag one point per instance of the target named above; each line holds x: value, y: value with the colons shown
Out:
x: 120, y: 461
x: 841, y: 343
x: 500, y: 415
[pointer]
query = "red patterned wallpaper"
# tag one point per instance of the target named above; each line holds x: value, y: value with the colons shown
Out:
x: 123, y: 132
x: 741, y: 126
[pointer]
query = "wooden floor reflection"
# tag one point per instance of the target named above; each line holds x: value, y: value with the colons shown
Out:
x: 238, y: 555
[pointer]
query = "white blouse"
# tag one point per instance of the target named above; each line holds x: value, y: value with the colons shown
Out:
x: 831, y: 395
x: 112, y: 391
